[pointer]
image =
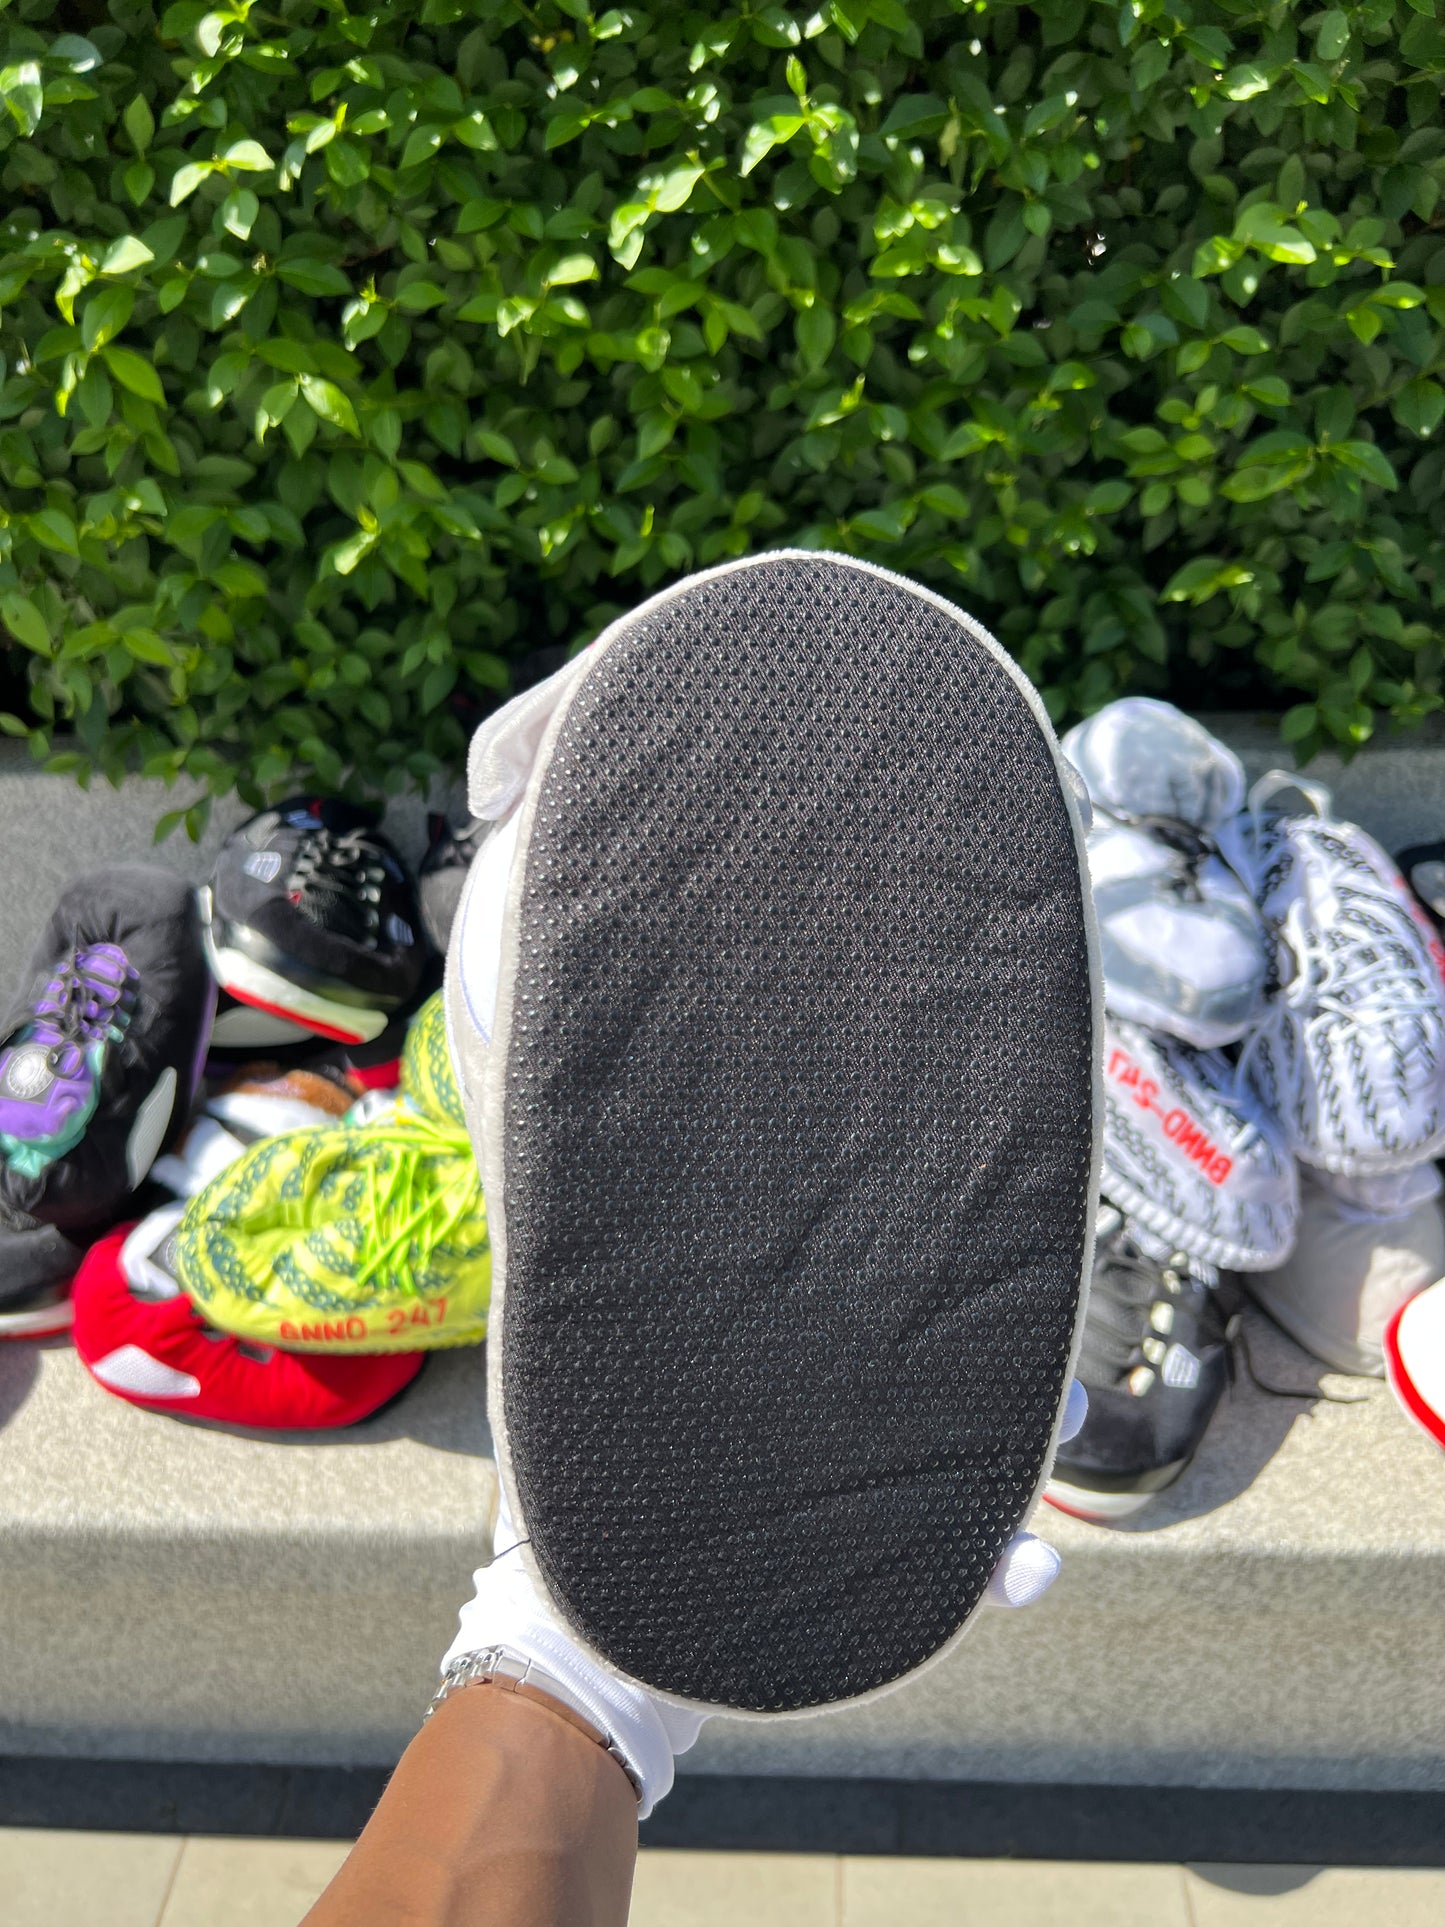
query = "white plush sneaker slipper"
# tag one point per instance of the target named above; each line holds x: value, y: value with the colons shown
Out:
x: 1349, y: 1274
x: 1350, y: 1054
x: 774, y: 1003
x: 1191, y: 1153
x: 1144, y: 759
x: 1183, y: 947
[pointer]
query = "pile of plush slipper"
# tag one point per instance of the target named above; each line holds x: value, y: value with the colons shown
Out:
x: 233, y: 1161
x: 1274, y: 1096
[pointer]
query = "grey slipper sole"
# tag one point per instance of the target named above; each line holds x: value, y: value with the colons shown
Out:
x: 788, y: 1133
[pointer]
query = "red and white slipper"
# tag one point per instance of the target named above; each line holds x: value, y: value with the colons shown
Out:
x: 1415, y: 1359
x: 158, y: 1352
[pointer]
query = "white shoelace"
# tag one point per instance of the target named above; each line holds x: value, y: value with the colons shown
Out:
x: 1342, y: 985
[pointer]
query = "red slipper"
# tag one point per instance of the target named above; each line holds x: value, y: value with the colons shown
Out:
x: 160, y: 1353
x: 1415, y: 1359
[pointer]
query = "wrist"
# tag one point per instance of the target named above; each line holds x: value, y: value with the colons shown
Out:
x: 514, y: 1672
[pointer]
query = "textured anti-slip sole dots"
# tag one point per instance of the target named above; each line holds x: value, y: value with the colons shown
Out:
x: 794, y: 1083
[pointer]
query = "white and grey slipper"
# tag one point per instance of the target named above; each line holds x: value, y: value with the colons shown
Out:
x: 774, y: 999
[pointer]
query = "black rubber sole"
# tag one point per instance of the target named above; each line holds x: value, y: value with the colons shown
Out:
x: 795, y: 1062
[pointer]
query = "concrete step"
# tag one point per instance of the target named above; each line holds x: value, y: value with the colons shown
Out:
x: 168, y: 1592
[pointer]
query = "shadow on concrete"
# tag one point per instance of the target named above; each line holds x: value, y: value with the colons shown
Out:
x: 1286, y: 1835
x: 1256, y: 1880
x: 1249, y: 1427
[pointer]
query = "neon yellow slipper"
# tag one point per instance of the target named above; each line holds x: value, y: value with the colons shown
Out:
x: 351, y: 1238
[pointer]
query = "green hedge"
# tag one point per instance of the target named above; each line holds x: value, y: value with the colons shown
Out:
x: 348, y: 355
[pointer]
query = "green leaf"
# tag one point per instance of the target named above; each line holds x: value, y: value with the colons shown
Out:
x: 140, y: 123
x: 313, y: 277
x: 25, y: 622
x: 1244, y: 82
x: 1202, y: 578
x: 274, y: 406
x: 1332, y: 35
x: 775, y: 27
x: 417, y: 296
x: 1420, y: 406
x: 1245, y: 341
x: 1398, y: 294
x: 475, y: 131
x: 914, y: 115
x: 671, y: 190
x: 187, y: 179
x: 239, y: 211
x: 23, y: 95
x: 146, y: 646
x: 654, y: 432
x: 764, y: 135
x: 1148, y: 335
x: 438, y: 685
x: 1367, y: 460
x: 347, y: 555
x: 293, y: 356
x: 1048, y: 113
x: 299, y: 426
x: 419, y: 477
x: 134, y: 372
x: 944, y: 499
x: 105, y: 315
x: 53, y: 529
x: 1255, y: 483
x: 565, y: 127
x: 421, y: 144
x: 1105, y: 498
x: 327, y: 400
x: 1261, y: 227
x: 571, y: 269
x: 1004, y: 236
x: 164, y: 237
x: 75, y: 52
x: 817, y: 331
x: 499, y: 447
x: 250, y: 156
x: 125, y: 255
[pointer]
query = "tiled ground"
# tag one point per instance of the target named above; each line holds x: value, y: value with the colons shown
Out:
x: 63, y: 1879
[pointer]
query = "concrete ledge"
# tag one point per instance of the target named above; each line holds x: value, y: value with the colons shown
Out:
x: 169, y: 1593
x: 174, y: 1593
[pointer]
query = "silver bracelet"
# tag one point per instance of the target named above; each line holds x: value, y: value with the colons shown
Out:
x: 514, y: 1670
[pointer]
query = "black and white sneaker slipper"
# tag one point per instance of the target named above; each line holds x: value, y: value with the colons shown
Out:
x: 775, y: 1005
x: 37, y: 1264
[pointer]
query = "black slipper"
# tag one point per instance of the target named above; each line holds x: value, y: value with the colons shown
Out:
x: 786, y: 1113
